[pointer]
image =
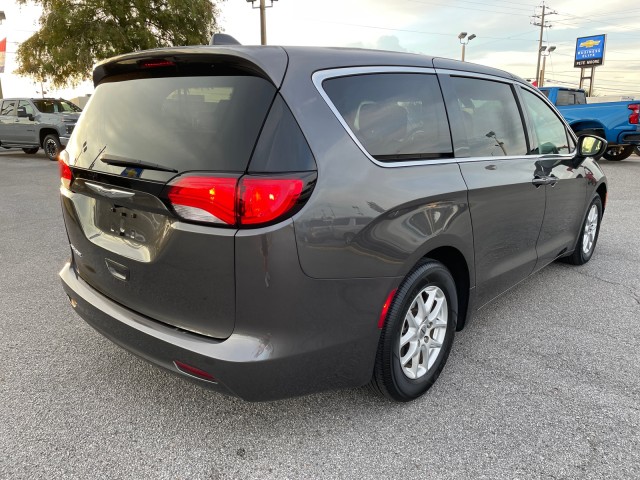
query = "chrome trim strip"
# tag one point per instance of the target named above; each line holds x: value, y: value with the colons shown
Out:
x: 322, y: 75
x: 109, y: 192
x: 482, y: 76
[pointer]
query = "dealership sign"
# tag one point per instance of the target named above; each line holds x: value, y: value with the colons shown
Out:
x: 590, y: 51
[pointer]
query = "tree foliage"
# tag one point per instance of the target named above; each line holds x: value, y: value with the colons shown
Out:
x: 75, y: 34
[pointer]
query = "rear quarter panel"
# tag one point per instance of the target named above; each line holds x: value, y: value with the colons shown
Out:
x: 364, y: 220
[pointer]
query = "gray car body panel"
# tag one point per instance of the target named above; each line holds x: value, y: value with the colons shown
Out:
x: 309, y: 290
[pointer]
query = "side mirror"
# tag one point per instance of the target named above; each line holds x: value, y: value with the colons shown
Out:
x: 590, y: 146
x: 22, y: 113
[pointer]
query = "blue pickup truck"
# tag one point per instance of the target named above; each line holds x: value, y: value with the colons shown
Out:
x: 617, y: 122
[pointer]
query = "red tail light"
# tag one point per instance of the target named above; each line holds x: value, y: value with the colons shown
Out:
x: 633, y: 118
x: 66, y: 176
x: 205, y: 199
x: 264, y: 200
x: 249, y: 200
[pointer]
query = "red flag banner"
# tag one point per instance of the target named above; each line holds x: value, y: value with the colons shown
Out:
x: 3, y: 53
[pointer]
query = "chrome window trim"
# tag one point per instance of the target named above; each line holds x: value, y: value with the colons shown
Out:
x: 322, y: 75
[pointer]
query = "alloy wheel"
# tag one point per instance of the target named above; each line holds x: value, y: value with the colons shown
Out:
x: 423, y: 332
x: 590, y: 230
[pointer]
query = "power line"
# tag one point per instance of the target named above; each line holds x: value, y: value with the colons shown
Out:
x: 428, y: 2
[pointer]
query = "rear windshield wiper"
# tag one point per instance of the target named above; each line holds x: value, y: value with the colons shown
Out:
x: 131, y: 162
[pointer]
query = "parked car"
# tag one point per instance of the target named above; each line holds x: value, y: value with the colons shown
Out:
x: 204, y: 191
x: 617, y: 122
x: 31, y: 123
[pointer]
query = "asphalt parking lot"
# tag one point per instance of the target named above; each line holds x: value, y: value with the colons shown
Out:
x: 543, y: 384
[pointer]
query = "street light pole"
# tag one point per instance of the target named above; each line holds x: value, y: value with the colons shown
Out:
x: 544, y: 53
x: 461, y: 37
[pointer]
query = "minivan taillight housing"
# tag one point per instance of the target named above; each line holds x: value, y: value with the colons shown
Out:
x: 635, y: 108
x: 246, y: 201
x: 66, y: 175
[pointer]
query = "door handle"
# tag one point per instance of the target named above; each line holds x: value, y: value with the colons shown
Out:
x: 537, y: 181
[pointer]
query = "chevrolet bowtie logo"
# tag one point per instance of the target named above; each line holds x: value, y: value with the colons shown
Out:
x: 590, y: 43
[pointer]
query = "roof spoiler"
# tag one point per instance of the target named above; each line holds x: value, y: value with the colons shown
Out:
x: 223, y: 39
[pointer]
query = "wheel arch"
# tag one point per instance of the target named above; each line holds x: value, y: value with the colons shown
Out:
x: 589, y: 126
x: 456, y: 263
x: 47, y: 131
x: 602, y: 191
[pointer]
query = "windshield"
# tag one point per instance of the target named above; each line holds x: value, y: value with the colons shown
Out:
x: 56, y: 106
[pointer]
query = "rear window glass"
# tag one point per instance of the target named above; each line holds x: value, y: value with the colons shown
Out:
x: 56, y: 106
x: 566, y: 97
x: 395, y: 116
x: 181, y: 123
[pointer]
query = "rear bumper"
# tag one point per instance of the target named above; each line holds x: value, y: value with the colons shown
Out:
x: 64, y: 141
x: 252, y: 366
x: 632, y: 138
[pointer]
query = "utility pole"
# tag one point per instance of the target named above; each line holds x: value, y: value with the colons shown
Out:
x: 262, y: 5
x: 543, y: 24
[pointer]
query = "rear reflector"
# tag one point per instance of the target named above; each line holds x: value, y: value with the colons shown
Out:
x: 231, y: 201
x: 66, y: 176
x: 385, y: 308
x: 194, y: 371
x: 633, y: 118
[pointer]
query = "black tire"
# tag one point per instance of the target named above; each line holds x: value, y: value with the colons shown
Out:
x: 618, y: 153
x: 31, y: 151
x: 637, y: 150
x: 389, y: 378
x: 52, y: 147
x: 579, y: 255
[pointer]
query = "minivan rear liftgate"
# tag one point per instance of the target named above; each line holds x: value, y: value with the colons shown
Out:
x: 152, y: 202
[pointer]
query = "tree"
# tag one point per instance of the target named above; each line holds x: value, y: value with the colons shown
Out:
x: 75, y: 34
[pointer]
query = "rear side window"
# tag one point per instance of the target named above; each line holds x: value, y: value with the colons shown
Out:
x: 181, y: 123
x: 567, y: 97
x: 490, y: 117
x: 282, y: 146
x: 395, y: 116
x: 56, y: 106
x: 550, y: 133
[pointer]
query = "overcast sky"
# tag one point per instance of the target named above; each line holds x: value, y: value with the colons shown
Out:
x: 505, y: 36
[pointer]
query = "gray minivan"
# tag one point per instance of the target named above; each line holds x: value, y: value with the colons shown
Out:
x: 272, y: 221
